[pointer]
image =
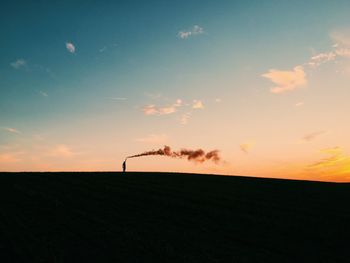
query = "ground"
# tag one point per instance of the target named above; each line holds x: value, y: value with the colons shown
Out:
x: 168, y: 217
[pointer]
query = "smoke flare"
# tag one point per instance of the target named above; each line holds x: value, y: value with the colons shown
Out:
x: 198, y: 156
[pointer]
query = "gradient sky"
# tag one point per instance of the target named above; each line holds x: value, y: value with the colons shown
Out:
x: 85, y: 83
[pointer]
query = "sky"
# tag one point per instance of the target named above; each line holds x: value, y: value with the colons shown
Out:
x: 83, y: 84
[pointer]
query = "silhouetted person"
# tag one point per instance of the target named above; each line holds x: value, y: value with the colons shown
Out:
x: 124, y: 166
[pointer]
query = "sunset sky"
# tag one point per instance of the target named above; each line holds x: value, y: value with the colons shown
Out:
x: 83, y: 84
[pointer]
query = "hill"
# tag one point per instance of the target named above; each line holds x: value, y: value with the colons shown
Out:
x: 168, y: 217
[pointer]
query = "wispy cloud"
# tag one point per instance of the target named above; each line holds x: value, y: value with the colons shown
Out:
x: 312, y: 136
x: 299, y: 104
x: 322, y: 58
x: 195, y: 30
x: 337, y: 164
x: 12, y: 130
x: 154, y: 110
x: 19, y: 63
x: 340, y: 48
x: 154, y: 139
x: 246, y: 147
x: 343, y: 52
x: 197, y: 104
x: 341, y: 38
x: 286, y: 80
x: 342, y: 43
x: 43, y: 93
x: 103, y: 49
x: 70, y: 47
x: 336, y: 156
x: 118, y: 98
x: 107, y: 47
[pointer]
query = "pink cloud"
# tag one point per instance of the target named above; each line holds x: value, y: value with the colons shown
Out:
x: 286, y: 80
x: 154, y: 110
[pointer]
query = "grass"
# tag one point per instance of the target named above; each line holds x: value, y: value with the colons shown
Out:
x: 168, y: 217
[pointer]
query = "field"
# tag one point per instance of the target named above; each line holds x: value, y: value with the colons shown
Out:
x: 168, y: 217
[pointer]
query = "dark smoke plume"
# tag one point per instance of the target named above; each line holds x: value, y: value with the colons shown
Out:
x: 198, y: 156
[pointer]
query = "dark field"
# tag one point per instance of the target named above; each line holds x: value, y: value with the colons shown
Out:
x: 161, y: 217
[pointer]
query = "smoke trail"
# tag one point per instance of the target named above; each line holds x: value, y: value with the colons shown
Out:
x: 166, y: 151
x: 198, y: 156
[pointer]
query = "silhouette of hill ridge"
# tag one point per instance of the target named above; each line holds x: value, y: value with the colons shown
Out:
x: 170, y: 217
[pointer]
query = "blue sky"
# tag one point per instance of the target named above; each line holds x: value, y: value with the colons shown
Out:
x: 82, y: 74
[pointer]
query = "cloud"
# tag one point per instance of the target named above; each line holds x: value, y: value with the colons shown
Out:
x: 321, y: 58
x: 299, y: 104
x: 184, y: 108
x: 343, y: 52
x: 341, y: 48
x: 12, y: 130
x: 62, y: 151
x: 291, y: 80
x: 19, y: 63
x: 150, y: 110
x: 102, y: 49
x: 341, y: 41
x: 286, y: 80
x: 118, y: 98
x: 336, y: 157
x: 70, y: 47
x: 154, y: 139
x: 195, y: 30
x: 312, y: 136
x: 184, y: 34
x: 197, y: 104
x: 337, y: 164
x: 178, y: 103
x: 43, y: 93
x: 246, y: 147
x: 341, y: 38
x: 154, y: 110
x: 218, y: 100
